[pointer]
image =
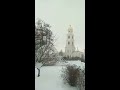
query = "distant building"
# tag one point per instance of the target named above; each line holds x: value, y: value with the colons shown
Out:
x: 70, y: 48
x: 61, y: 53
x: 77, y: 54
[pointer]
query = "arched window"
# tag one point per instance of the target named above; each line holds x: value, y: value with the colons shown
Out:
x: 68, y: 37
x: 68, y: 43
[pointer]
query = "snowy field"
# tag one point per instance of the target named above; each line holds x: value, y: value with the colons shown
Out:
x: 50, y: 77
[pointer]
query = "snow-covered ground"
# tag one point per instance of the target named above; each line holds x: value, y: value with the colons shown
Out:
x: 78, y: 63
x: 50, y: 77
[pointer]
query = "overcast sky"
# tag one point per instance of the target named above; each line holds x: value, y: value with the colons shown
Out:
x: 60, y: 14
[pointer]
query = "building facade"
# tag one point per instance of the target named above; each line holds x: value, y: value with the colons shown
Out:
x: 70, y: 50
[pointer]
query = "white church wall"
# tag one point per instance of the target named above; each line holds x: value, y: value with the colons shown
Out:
x: 70, y: 48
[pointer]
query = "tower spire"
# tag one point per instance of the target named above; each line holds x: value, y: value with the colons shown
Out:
x: 69, y: 49
x: 70, y: 29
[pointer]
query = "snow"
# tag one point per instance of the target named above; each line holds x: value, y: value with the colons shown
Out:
x: 36, y: 72
x: 78, y: 63
x: 38, y: 65
x: 50, y: 78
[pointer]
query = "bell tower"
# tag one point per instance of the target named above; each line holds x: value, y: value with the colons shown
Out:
x: 70, y: 48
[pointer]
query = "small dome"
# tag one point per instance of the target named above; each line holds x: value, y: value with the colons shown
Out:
x: 70, y: 29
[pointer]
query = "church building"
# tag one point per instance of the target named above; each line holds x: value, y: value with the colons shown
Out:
x: 70, y: 50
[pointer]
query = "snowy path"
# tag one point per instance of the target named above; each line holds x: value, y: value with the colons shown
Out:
x: 50, y: 79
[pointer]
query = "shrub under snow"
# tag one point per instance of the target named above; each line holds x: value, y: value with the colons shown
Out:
x: 74, y: 76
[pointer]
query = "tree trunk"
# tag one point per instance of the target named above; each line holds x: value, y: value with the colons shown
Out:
x: 38, y: 72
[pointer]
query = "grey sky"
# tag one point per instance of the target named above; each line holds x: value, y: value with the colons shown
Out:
x: 60, y: 14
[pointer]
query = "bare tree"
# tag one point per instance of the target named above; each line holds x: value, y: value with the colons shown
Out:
x: 44, y: 44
